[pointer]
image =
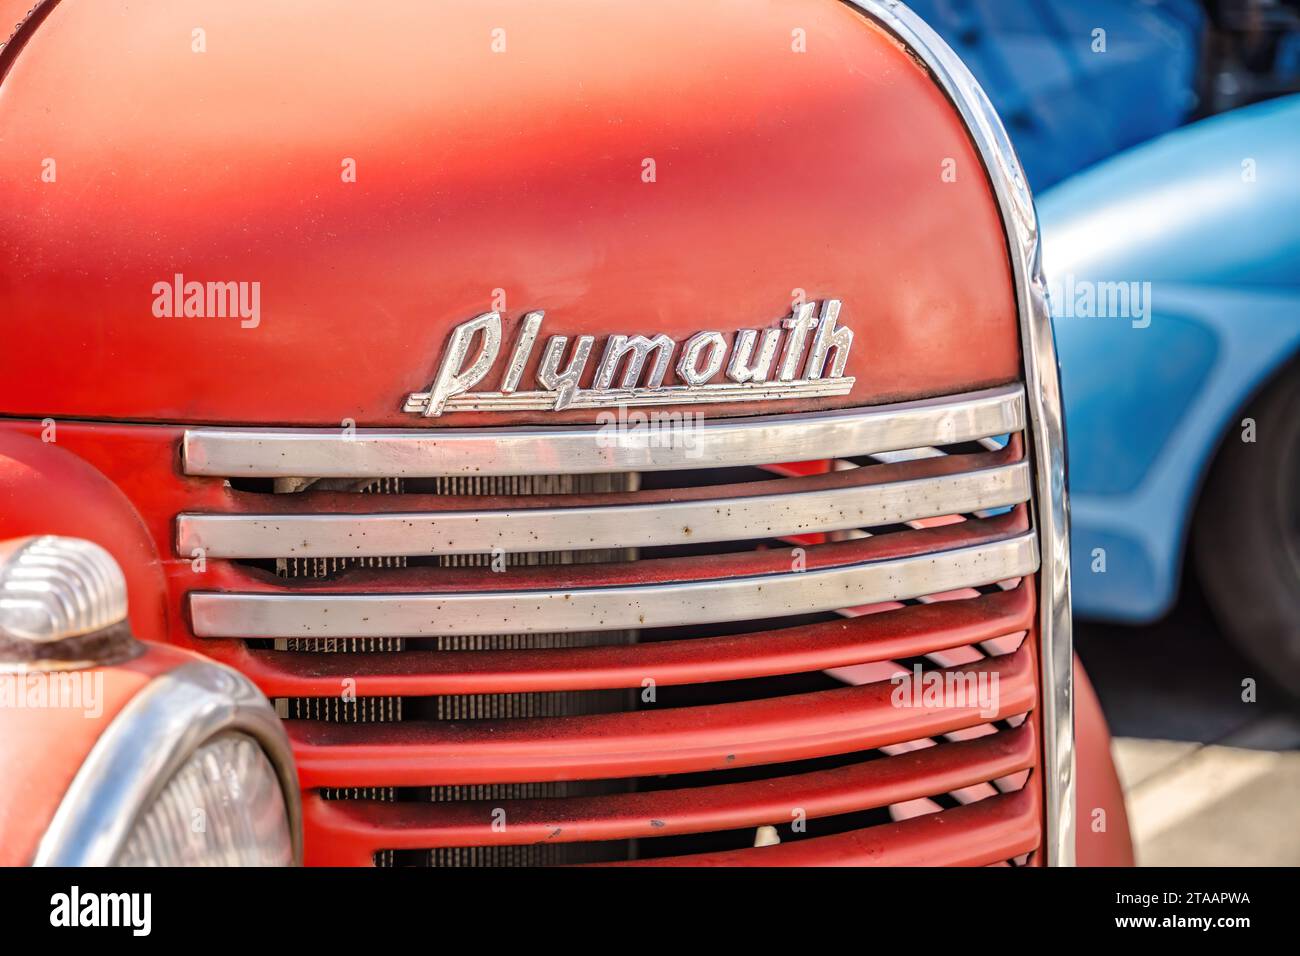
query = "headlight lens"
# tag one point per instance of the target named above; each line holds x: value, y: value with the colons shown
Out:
x: 225, y: 807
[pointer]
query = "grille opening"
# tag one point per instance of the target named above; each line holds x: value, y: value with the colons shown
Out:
x: 491, y: 794
x: 960, y: 448
x: 725, y: 628
x: 533, y: 704
x: 480, y: 486
x: 707, y: 548
x: 720, y: 841
x: 466, y: 707
x: 488, y: 485
x: 705, y: 477
x: 256, y: 486
x: 362, y: 710
x: 738, y: 691
x: 306, y: 570
x: 966, y: 454
x: 750, y: 774
x: 504, y: 706
x: 545, y: 854
x: 333, y: 569
x: 523, y: 642
x: 330, y: 645
x: 282, y: 486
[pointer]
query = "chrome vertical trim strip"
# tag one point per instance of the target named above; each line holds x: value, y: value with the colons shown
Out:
x: 1047, y: 439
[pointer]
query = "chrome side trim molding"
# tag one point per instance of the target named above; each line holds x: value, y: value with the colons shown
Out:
x: 271, y: 615
x: 1047, y: 444
x: 146, y: 744
x: 550, y: 450
x: 618, y: 526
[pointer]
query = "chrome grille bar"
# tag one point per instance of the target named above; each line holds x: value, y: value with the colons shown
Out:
x: 619, y: 526
x: 273, y: 615
x: 290, y: 453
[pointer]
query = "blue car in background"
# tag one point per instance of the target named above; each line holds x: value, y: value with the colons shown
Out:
x: 1165, y: 155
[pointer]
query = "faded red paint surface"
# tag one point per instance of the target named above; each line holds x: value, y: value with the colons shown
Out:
x: 476, y: 171
x: 1100, y: 840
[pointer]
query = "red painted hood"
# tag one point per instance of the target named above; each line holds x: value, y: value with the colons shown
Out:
x: 498, y: 145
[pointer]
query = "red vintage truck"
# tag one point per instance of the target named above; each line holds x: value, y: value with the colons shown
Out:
x: 601, y: 433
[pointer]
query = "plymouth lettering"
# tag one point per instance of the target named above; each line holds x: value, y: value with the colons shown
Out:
x: 806, y: 356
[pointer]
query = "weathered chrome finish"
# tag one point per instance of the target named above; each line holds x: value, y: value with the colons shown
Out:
x: 53, y: 588
x: 528, y: 330
x: 800, y: 322
x: 143, y: 748
x: 562, y: 385
x: 641, y: 385
x: 275, y: 615
x: 744, y: 366
x: 622, y: 526
x: 829, y: 336
x: 292, y: 453
x: 709, y: 346
x: 1047, y: 439
x: 453, y: 377
x: 583, y: 398
x: 637, y: 349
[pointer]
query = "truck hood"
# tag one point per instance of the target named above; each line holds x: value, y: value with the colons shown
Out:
x: 368, y: 177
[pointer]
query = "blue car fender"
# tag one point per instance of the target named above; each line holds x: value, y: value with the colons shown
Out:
x: 1174, y: 275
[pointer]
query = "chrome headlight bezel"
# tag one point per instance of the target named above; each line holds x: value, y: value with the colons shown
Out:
x: 146, y: 745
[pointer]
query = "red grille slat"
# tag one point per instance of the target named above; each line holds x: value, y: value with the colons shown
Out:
x: 721, y: 736
x: 354, y: 830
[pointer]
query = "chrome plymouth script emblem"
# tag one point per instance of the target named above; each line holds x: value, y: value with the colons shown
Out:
x: 807, y: 343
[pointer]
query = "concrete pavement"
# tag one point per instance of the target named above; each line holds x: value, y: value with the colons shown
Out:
x: 1210, y: 779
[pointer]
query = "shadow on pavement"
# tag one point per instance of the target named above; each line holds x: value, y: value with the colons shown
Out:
x: 1177, y: 679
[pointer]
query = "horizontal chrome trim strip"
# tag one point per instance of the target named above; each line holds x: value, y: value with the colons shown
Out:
x: 270, y: 615
x: 561, y: 449
x: 621, y: 526
x: 417, y: 402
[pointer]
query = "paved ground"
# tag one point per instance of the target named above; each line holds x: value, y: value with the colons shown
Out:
x: 1209, y: 779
